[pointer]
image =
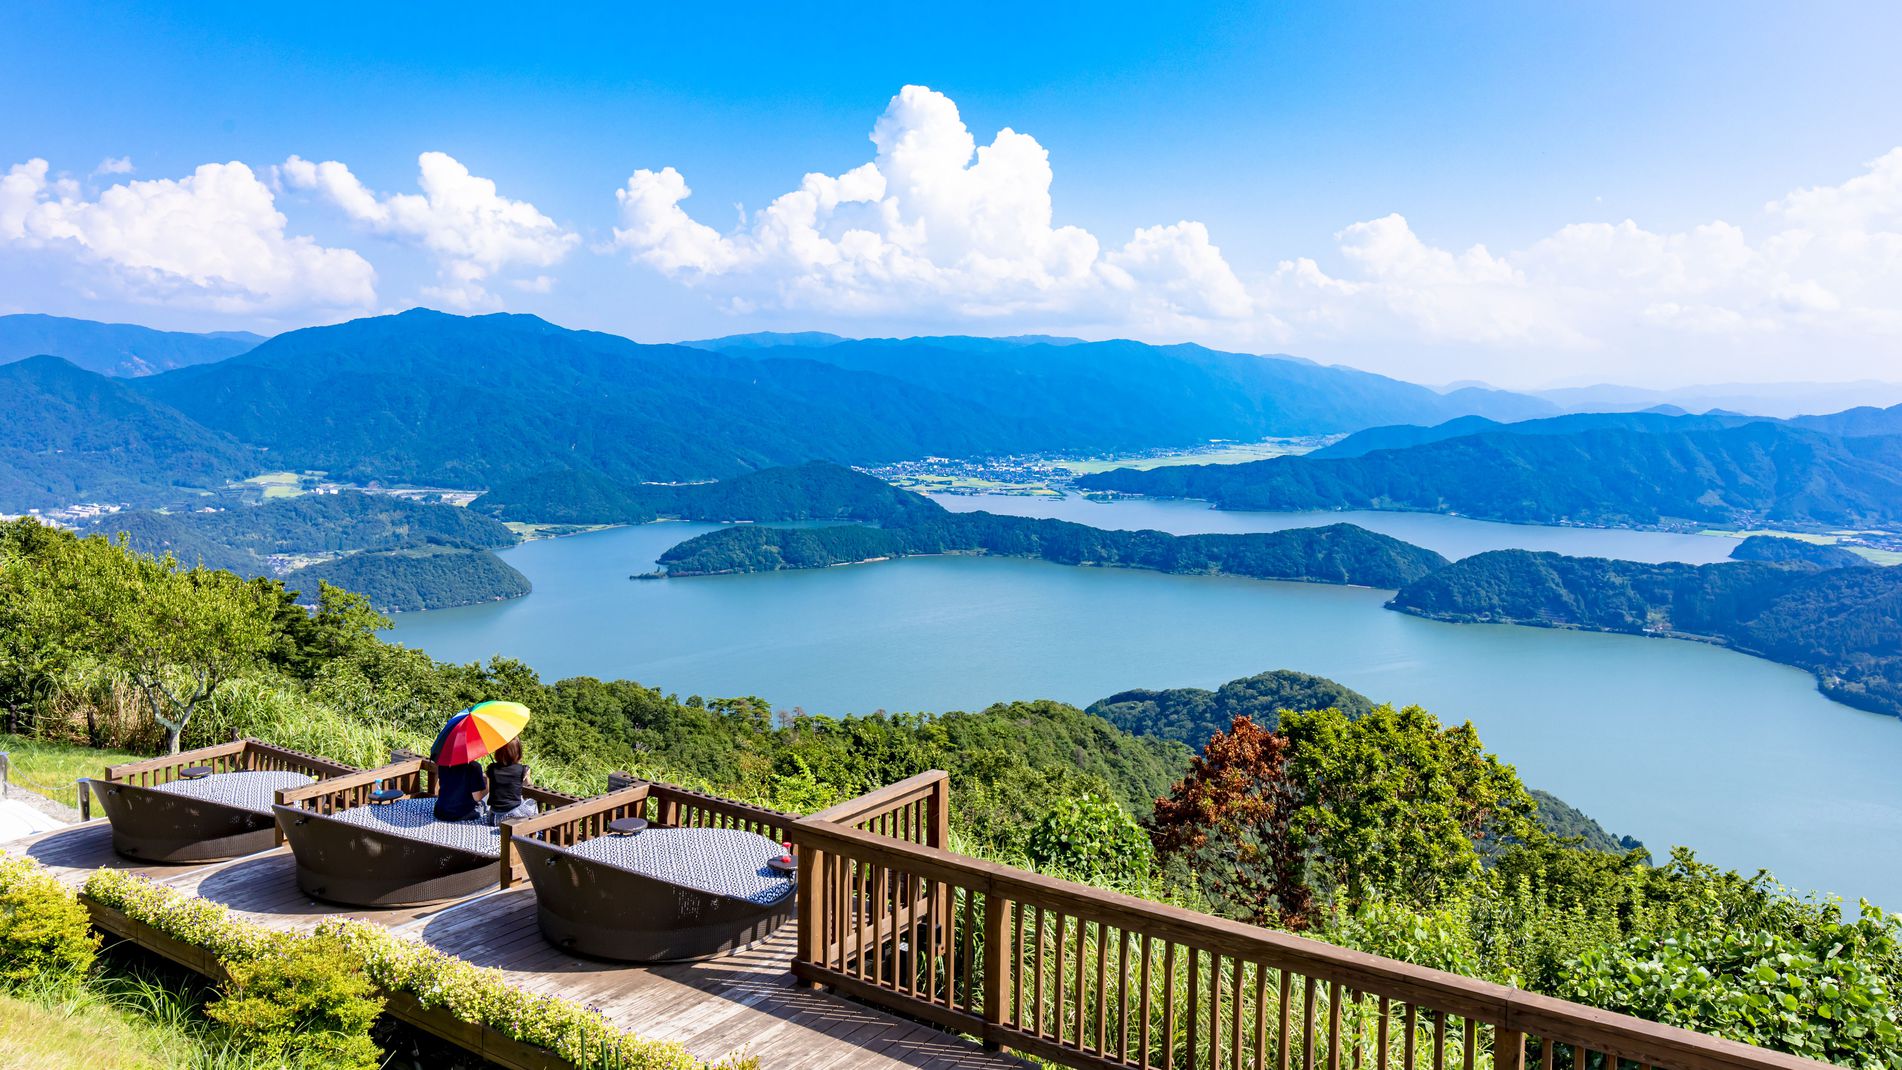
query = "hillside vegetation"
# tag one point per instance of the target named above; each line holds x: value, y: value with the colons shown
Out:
x: 1753, y: 475
x: 422, y: 577
x: 1389, y: 832
x: 1192, y: 714
x: 68, y: 435
x: 403, y: 554
x: 1780, y: 550
x: 1844, y: 624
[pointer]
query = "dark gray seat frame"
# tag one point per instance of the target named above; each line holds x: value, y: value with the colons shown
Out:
x: 153, y: 825
x: 354, y: 865
x: 605, y: 911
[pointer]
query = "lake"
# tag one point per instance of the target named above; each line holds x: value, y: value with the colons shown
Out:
x: 1665, y: 740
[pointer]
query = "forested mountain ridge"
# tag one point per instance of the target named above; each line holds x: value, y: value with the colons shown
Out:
x: 1130, y: 391
x: 1843, y: 624
x: 119, y: 349
x: 70, y: 435
x: 484, y: 401
x: 474, y: 401
x: 1340, y: 553
x: 1849, y: 423
x: 816, y: 490
x: 1755, y: 474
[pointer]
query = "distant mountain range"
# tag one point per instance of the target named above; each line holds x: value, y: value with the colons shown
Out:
x: 120, y: 349
x: 1760, y: 399
x: 1610, y: 470
x: 478, y: 402
x: 1108, y: 395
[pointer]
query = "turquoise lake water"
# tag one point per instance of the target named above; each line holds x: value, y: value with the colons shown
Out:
x: 1665, y: 740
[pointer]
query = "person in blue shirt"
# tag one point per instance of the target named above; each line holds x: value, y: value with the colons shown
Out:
x: 459, y: 792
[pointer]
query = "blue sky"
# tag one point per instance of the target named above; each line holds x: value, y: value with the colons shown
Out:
x: 1433, y: 194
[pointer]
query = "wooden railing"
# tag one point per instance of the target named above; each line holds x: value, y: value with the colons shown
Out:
x: 665, y: 805
x: 1096, y: 980
x: 412, y: 776
x: 237, y: 756
x: 915, y: 810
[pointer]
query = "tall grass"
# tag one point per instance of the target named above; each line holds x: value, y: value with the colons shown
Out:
x: 121, y: 1016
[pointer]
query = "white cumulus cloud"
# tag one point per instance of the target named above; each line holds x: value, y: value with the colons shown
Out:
x: 213, y: 239
x: 1818, y: 279
x: 472, y: 231
x: 934, y: 226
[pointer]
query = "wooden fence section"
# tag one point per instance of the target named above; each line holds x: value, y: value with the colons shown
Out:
x: 237, y: 756
x: 1096, y: 980
x: 915, y: 810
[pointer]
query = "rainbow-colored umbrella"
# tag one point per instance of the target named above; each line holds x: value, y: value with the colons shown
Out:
x: 474, y: 733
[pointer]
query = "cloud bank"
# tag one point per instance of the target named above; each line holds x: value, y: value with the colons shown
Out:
x: 1821, y: 273
x: 935, y: 226
x: 213, y: 239
x: 470, y: 230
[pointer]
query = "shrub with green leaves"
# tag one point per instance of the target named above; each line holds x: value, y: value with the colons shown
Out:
x: 308, y: 1002
x: 1091, y: 838
x: 45, y: 936
x: 388, y: 963
x: 1826, y: 991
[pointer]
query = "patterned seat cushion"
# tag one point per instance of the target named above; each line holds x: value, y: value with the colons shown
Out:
x: 723, y: 862
x: 416, y: 819
x: 245, y: 791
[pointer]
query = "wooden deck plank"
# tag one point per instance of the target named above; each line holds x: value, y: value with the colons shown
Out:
x: 745, y: 1002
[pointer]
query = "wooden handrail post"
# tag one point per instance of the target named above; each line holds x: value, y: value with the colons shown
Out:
x: 938, y: 809
x: 1000, y: 959
x: 1509, y: 1049
x: 811, y: 890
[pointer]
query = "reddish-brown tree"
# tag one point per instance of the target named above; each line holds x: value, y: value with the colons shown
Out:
x: 1231, y: 818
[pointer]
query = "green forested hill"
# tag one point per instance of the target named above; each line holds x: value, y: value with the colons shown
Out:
x: 816, y: 490
x: 68, y: 435
x: 1755, y: 474
x: 1340, y: 553
x: 393, y: 547
x: 1843, y: 624
x: 420, y: 577
x: 1193, y: 714
x: 1778, y: 549
x: 121, y: 349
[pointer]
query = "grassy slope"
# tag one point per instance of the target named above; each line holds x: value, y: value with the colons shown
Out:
x: 51, y: 768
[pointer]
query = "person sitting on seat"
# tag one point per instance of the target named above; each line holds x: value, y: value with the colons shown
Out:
x: 507, y: 774
x: 459, y: 792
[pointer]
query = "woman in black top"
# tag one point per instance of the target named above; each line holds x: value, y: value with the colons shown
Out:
x: 507, y: 774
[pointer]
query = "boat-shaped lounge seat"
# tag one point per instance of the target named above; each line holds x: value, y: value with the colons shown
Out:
x: 672, y: 893
x: 160, y: 815
x: 353, y: 851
